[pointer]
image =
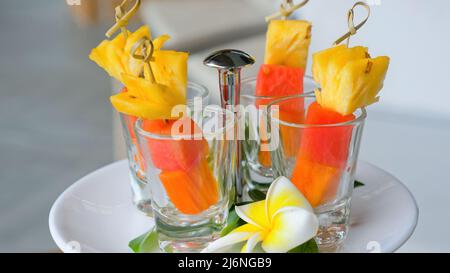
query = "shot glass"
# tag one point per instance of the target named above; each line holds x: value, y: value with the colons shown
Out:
x: 197, y: 98
x: 258, y: 173
x: 320, y: 157
x: 188, y: 169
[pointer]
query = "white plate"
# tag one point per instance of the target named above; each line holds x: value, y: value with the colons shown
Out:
x: 96, y: 215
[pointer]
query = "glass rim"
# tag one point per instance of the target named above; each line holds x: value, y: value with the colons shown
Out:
x: 202, y: 90
x: 357, y: 121
x: 225, y: 126
x: 254, y: 78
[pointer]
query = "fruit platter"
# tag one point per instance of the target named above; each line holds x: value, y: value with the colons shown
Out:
x: 273, y: 168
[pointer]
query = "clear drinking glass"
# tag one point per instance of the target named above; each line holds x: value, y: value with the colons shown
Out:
x: 258, y: 173
x: 320, y: 159
x: 140, y: 189
x: 189, y: 176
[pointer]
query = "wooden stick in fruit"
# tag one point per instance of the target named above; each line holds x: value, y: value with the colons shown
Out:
x: 123, y: 18
x: 349, y: 79
x: 143, y: 46
x: 286, y: 9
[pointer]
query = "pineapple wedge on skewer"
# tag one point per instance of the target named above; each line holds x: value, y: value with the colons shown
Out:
x: 349, y: 78
x: 170, y: 69
x: 288, y: 43
x: 144, y: 98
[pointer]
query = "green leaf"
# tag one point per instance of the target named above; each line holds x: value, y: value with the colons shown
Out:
x: 233, y: 221
x: 308, y: 247
x: 358, y: 184
x: 256, y: 195
x: 146, y: 243
x: 241, y: 204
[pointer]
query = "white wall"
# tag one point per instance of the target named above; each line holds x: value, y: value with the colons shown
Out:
x: 414, y: 33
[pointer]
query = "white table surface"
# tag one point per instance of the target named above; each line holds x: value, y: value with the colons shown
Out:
x: 416, y: 151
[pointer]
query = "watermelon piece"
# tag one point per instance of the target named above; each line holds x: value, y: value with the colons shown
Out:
x: 326, y: 145
x: 174, y: 154
x: 322, y: 156
x: 278, y: 81
x: 193, y: 191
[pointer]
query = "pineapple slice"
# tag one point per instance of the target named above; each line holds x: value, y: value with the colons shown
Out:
x: 349, y: 78
x: 288, y: 43
x: 108, y: 56
x: 129, y: 104
x: 115, y: 56
x: 144, y: 98
x: 147, y: 100
x: 170, y: 69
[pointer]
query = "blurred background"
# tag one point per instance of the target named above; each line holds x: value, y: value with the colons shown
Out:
x: 57, y: 125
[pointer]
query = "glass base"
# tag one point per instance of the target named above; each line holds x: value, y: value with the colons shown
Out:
x: 141, y: 194
x: 189, y: 235
x: 333, y: 225
x: 258, y: 178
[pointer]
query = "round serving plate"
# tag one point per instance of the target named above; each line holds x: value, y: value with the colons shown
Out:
x: 95, y: 214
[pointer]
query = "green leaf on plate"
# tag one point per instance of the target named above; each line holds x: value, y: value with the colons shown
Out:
x: 308, y: 247
x: 146, y: 243
x: 256, y: 195
x: 358, y: 184
x: 233, y: 221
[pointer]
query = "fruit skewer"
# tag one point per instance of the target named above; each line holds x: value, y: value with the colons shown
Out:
x: 350, y: 79
x: 287, y: 45
x: 155, y: 81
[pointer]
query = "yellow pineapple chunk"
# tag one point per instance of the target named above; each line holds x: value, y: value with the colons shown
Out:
x: 129, y: 104
x: 170, y: 69
x: 145, y: 99
x: 348, y: 77
x: 327, y: 63
x: 115, y: 56
x: 288, y: 43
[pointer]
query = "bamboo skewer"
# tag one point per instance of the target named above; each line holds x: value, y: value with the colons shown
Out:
x: 286, y: 9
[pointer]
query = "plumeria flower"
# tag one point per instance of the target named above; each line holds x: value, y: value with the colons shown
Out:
x: 282, y: 222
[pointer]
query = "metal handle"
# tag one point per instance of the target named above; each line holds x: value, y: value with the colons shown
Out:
x: 229, y: 63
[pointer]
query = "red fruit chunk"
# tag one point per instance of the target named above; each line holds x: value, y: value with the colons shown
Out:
x: 278, y: 80
x: 175, y: 154
x: 326, y: 145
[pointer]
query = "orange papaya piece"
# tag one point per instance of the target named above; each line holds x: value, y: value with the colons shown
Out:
x: 191, y: 192
x: 319, y: 183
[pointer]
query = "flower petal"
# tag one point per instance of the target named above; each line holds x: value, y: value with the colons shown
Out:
x: 239, y: 234
x: 291, y: 227
x: 251, y: 243
x: 282, y: 193
x: 254, y: 213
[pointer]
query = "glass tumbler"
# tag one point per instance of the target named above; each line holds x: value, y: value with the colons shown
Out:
x: 187, y: 168
x: 197, y: 98
x: 258, y: 173
x: 318, y: 150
